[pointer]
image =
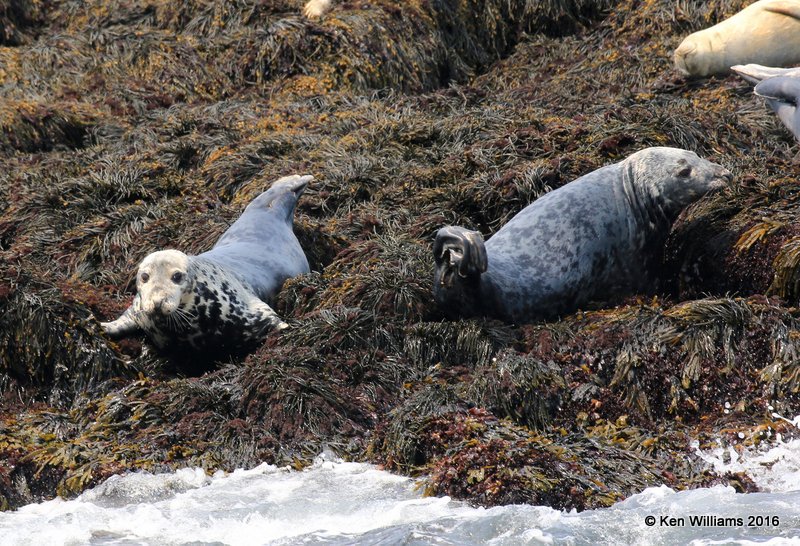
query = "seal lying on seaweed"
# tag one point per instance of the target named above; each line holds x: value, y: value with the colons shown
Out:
x: 217, y: 300
x: 597, y: 238
x: 781, y: 88
x: 765, y: 32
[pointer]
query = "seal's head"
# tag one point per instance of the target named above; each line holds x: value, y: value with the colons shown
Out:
x: 694, y: 57
x: 670, y: 179
x: 163, y: 281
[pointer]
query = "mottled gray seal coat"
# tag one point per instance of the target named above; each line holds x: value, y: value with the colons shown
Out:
x: 597, y: 238
x: 781, y: 88
x: 217, y: 301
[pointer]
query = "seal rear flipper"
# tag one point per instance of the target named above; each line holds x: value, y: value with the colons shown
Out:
x: 268, y: 319
x: 124, y: 326
x: 783, y: 95
x: 297, y: 183
x: 281, y: 198
x: 459, y: 250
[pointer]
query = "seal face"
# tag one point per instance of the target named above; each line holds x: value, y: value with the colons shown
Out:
x: 597, y: 238
x: 216, y: 302
x: 766, y: 32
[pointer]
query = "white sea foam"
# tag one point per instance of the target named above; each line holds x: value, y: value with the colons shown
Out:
x: 334, y: 502
x: 775, y: 469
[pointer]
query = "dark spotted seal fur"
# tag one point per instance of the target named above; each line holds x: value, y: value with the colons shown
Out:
x: 597, y: 238
x: 218, y: 301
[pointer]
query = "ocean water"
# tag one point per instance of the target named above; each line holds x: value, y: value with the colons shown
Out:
x: 335, y: 502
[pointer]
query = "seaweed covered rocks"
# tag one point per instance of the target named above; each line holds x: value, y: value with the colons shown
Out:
x: 129, y: 127
x: 598, y: 238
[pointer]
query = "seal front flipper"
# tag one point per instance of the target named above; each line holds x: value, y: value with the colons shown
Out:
x: 783, y: 94
x: 124, y: 326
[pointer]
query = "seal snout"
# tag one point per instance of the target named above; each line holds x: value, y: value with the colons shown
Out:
x: 159, y: 305
x: 722, y: 177
x: 683, y: 54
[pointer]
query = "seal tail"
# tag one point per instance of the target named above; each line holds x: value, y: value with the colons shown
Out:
x: 458, y: 252
x: 267, y: 319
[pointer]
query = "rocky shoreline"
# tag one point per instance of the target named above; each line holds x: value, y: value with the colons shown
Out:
x: 127, y: 127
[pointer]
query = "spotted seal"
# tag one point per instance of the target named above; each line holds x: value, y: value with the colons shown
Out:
x: 765, y: 32
x: 217, y: 301
x: 781, y: 88
x: 595, y: 239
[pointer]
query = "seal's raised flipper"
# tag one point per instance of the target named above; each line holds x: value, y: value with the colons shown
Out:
x: 755, y: 73
x: 280, y: 199
x: 296, y: 183
x: 458, y: 250
x: 124, y: 326
x: 783, y: 95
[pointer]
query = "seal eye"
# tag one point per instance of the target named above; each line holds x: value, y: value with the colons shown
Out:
x: 685, y: 172
x: 144, y: 277
x: 177, y: 277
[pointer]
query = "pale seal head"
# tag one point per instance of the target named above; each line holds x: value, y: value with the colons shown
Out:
x: 163, y: 282
x: 314, y: 9
x: 692, y: 56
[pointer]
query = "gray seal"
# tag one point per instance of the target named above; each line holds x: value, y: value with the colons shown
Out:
x: 596, y: 239
x: 781, y: 88
x: 218, y: 301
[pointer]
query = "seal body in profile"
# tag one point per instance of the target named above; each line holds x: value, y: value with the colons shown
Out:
x: 766, y: 32
x: 781, y: 88
x: 217, y: 301
x: 597, y: 238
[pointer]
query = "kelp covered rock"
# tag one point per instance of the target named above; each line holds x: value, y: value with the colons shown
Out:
x: 128, y: 127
